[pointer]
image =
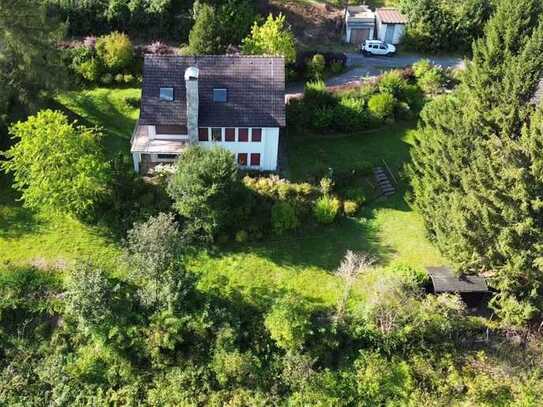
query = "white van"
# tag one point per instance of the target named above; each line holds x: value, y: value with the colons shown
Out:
x: 376, y: 47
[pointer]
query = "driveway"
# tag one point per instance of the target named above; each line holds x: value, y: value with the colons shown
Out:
x: 361, y: 67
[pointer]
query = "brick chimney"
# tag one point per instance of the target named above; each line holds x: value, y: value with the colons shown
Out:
x: 191, y: 83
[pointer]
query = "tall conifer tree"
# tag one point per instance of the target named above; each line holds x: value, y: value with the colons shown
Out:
x: 476, y: 173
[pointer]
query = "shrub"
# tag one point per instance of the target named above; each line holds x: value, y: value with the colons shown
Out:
x: 133, y: 101
x: 119, y: 78
x: 355, y: 194
x: 350, y: 114
x: 336, y: 67
x: 207, y: 192
x: 326, y: 185
x: 284, y: 218
x: 107, y: 79
x: 115, y: 51
x: 128, y: 78
x: 90, y: 70
x: 381, y: 106
x: 350, y: 208
x: 326, y: 209
x: 317, y: 66
x: 421, y: 67
x: 316, y: 95
x: 241, y: 236
x: 432, y: 81
x: 393, y: 82
x: 324, y: 118
x: 289, y: 322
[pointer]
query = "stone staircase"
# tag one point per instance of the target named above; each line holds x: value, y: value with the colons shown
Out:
x: 383, y: 181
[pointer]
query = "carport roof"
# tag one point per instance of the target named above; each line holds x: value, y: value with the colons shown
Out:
x: 445, y: 281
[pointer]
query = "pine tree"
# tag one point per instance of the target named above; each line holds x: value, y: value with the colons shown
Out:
x: 205, y: 36
x: 476, y: 168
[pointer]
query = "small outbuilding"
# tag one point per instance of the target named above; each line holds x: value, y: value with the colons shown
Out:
x: 471, y: 288
x: 359, y: 24
x: 390, y: 25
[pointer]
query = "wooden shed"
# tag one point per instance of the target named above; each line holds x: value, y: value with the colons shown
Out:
x: 472, y: 289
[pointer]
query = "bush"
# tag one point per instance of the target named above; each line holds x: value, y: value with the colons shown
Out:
x: 336, y: 67
x: 355, y: 194
x: 317, y: 96
x: 159, y: 48
x: 326, y: 209
x: 323, y: 118
x: 284, y: 218
x: 119, y: 78
x: 115, y: 51
x: 350, y: 208
x: 421, y: 67
x: 90, y: 70
x: 241, y: 236
x: 107, y: 79
x: 432, y: 81
x: 350, y: 114
x: 394, y: 83
x: 128, y: 78
x: 381, y: 106
x: 289, y: 323
x: 317, y: 66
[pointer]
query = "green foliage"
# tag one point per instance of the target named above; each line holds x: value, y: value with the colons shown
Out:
x: 380, y: 380
x: 91, y: 70
x: 326, y: 209
x: 288, y: 323
x: 29, y: 59
x: 350, y: 208
x: 381, y: 106
x: 115, y: 51
x: 445, y: 25
x: 273, y: 37
x: 430, y: 78
x: 153, y: 249
x: 205, y: 36
x: 317, y: 66
x: 57, y: 165
x: 90, y: 296
x: 207, y: 192
x: 474, y: 171
x: 283, y: 217
x: 393, y: 83
x: 241, y: 236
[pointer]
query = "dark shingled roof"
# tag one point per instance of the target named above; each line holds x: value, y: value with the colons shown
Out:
x: 445, y: 281
x: 256, y: 90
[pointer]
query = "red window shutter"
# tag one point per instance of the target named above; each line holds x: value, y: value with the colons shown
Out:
x: 257, y: 135
x: 202, y: 134
x: 255, y: 159
x: 243, y: 135
x: 242, y: 159
x: 230, y: 134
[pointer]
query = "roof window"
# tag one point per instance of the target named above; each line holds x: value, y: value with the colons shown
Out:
x: 166, y: 94
x: 220, y: 95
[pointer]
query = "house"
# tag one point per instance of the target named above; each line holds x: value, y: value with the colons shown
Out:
x: 236, y: 102
x: 359, y: 24
x: 390, y: 24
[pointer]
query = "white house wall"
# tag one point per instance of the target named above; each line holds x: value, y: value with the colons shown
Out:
x: 267, y: 148
x: 399, y: 31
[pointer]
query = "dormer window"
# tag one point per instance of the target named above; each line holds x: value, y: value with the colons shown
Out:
x: 220, y: 95
x: 166, y: 94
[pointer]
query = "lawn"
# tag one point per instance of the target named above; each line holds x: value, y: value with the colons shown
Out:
x: 303, y: 262
x: 30, y: 238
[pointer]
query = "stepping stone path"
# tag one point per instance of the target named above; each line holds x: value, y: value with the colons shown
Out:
x: 383, y: 181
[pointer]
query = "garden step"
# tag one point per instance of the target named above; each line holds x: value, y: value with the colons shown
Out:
x: 383, y: 181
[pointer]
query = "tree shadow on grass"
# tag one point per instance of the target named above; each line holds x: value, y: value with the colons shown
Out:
x: 15, y: 220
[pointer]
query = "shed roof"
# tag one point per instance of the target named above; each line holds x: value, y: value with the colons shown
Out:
x: 388, y: 15
x: 445, y: 281
x: 256, y: 90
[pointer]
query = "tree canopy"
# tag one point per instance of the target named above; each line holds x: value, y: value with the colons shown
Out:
x: 58, y: 166
x: 476, y: 169
x: 273, y: 37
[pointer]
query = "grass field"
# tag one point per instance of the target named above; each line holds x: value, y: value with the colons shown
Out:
x: 30, y: 238
x: 303, y: 262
